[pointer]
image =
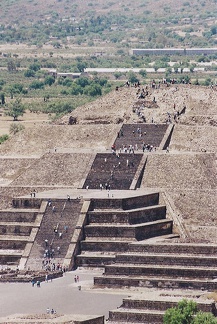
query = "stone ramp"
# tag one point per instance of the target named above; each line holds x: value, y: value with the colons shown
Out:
x: 191, y: 171
x: 11, y: 168
x: 59, y: 169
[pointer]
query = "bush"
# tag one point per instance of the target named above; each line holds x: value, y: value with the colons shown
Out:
x: 3, y: 138
x: 132, y: 78
x: 59, y: 108
x: 83, y: 81
x: 36, y: 85
x: 15, y: 128
x: 76, y: 90
x: 93, y: 90
x: 29, y: 73
x: 49, y: 80
x: 35, y: 67
x: 67, y: 82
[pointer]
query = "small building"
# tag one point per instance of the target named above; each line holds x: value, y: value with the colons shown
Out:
x: 72, y: 75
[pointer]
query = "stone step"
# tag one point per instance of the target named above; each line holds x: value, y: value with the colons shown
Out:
x: 190, y: 260
x: 169, y: 271
x: 102, y: 244
x: 94, y: 259
x: 138, y: 232
x: 174, y: 248
x: 163, y: 303
x: 122, y: 281
x: 12, y: 245
x: 9, y: 238
x: 18, y: 216
x: 135, y: 315
x: 133, y: 216
x: 20, y: 210
x: 9, y: 252
x: 160, y: 238
x: 126, y: 203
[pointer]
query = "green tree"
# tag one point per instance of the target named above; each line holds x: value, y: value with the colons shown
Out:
x: 204, y: 318
x: 16, y: 109
x: 143, y: 73
x: 82, y: 81
x: 67, y: 82
x: 49, y: 80
x: 35, y: 67
x: 93, y: 90
x: 36, y: 85
x: 29, y: 73
x: 186, y: 312
x: 132, y: 78
x: 182, y: 314
x: 59, y: 108
x: 76, y: 89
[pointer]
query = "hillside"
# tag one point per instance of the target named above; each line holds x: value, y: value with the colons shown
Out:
x: 24, y: 10
x: 159, y: 23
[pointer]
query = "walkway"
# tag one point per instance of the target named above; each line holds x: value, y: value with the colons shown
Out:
x: 62, y: 295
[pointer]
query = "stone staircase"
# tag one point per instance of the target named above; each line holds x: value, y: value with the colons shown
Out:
x: 17, y: 229
x: 164, y: 266
x: 137, y: 134
x: 114, y: 171
x: 146, y: 311
x: 57, y: 227
x: 113, y: 224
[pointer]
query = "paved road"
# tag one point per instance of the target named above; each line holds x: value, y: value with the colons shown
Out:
x: 62, y: 295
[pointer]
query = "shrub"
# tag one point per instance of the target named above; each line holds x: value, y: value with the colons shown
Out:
x: 3, y: 138
x: 36, y: 85
x: 15, y: 128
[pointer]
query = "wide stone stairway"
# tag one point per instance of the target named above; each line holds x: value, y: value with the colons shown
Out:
x: 55, y: 233
x: 113, y: 171
x: 162, y: 266
x: 139, y: 134
x: 112, y: 224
